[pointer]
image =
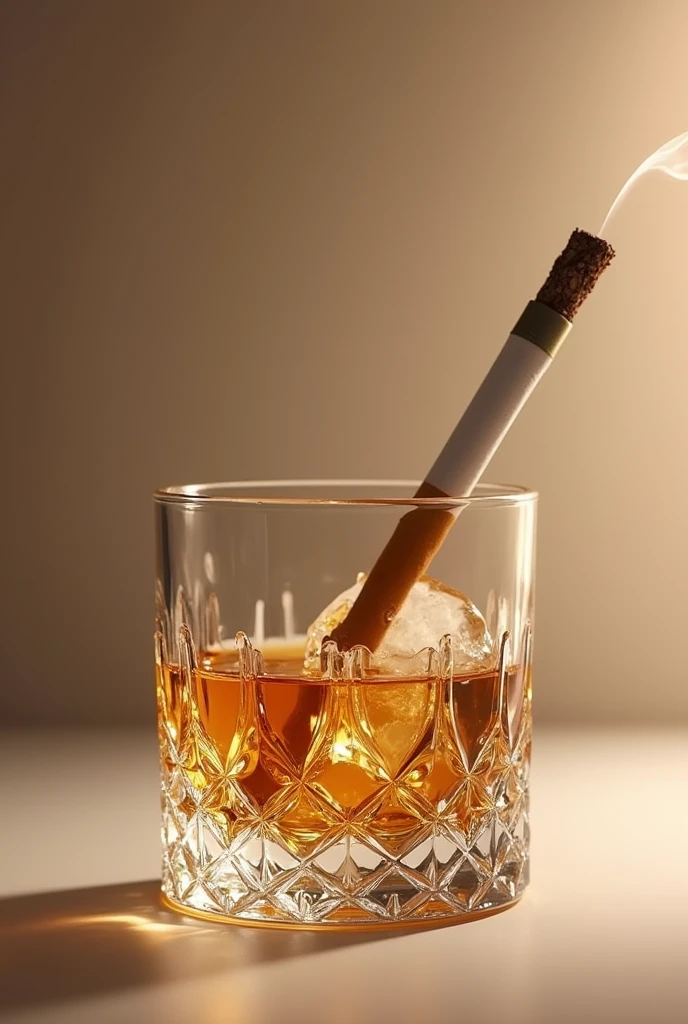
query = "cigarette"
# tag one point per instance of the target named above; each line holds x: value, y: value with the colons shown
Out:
x: 525, y: 357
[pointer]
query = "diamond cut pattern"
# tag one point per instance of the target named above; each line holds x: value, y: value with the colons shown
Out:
x: 346, y: 836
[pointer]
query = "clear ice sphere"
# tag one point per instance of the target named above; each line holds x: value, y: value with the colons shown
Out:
x: 431, y: 611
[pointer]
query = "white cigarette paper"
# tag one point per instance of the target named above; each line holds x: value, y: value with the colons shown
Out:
x: 494, y: 407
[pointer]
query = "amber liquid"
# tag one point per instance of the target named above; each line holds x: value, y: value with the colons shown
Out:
x: 307, y: 757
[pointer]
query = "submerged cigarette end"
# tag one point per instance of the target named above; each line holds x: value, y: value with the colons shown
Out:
x: 575, y: 273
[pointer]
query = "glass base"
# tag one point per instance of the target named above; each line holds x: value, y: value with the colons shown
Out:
x: 364, y: 925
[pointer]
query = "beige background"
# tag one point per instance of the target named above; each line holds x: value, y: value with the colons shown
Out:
x: 223, y: 221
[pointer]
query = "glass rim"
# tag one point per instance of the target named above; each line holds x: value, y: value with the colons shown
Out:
x: 485, y: 494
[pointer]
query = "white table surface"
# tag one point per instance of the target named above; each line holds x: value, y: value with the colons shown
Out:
x: 602, y: 934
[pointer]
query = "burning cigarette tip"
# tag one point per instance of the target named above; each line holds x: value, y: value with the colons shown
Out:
x: 575, y: 273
